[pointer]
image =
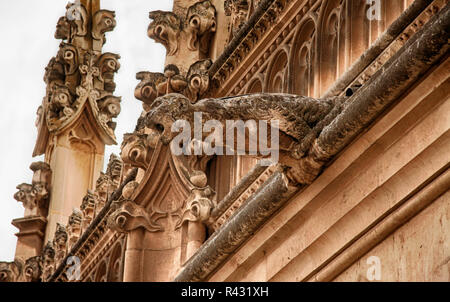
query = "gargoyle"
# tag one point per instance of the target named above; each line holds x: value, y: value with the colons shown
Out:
x: 60, y: 104
x: 48, y: 261
x: 109, y: 108
x: 77, y: 15
x: 165, y: 29
x: 11, y: 271
x: 26, y: 197
x: 146, y: 90
x: 33, y: 269
x: 200, y: 23
x: 198, y: 79
x: 63, y: 29
x: 60, y: 242
x: 296, y: 117
x: 102, y: 22
x: 108, y: 64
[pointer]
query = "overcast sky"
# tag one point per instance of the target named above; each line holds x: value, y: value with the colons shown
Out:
x: 27, y: 44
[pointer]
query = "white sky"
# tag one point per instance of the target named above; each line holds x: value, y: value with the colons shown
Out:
x: 26, y: 46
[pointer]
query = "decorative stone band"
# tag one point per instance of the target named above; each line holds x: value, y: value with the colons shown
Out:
x: 405, y: 68
x: 240, y: 194
x: 272, y: 194
x: 394, y: 34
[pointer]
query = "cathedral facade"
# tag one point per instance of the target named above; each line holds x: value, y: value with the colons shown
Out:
x: 356, y: 96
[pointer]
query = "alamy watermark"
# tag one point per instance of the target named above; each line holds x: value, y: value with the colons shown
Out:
x: 374, y: 11
x: 73, y: 273
x: 374, y: 270
x: 229, y: 140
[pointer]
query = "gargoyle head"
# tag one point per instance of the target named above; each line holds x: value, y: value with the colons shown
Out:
x: 165, y: 111
x: 200, y: 21
x: 33, y: 269
x: 68, y: 55
x: 75, y: 218
x: 103, y: 21
x: 61, y: 97
x: 62, y: 29
x: 25, y: 195
x: 77, y: 15
x: 165, y: 29
x: 146, y: 90
x: 61, y: 236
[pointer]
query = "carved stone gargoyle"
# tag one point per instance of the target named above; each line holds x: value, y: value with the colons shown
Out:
x: 60, y: 242
x: 103, y: 21
x: 192, y: 31
x: 193, y: 85
x: 48, y: 261
x: 299, y: 121
x: 199, y: 203
x: 11, y: 271
x: 35, y: 196
x: 33, y: 269
x: 128, y: 215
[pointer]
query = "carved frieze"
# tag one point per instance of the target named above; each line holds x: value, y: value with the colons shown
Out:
x: 238, y: 10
